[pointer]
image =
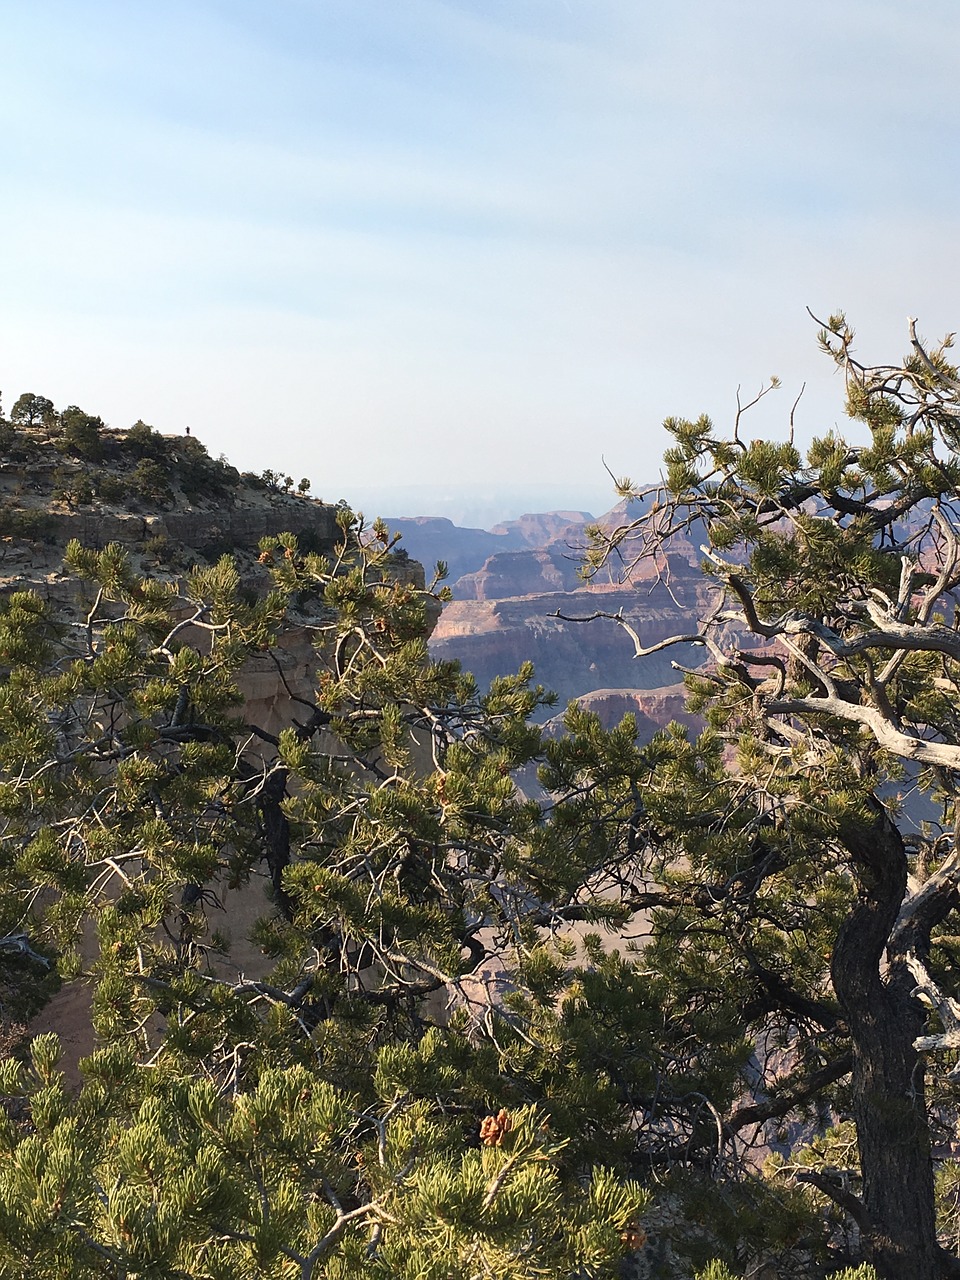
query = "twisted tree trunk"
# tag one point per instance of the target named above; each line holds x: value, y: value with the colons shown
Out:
x: 884, y: 1019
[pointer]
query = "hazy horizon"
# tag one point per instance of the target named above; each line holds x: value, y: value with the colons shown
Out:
x: 475, y: 506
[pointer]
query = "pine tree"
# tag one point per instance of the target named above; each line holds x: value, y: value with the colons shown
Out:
x: 801, y: 855
x: 520, y: 1003
x: 331, y: 1115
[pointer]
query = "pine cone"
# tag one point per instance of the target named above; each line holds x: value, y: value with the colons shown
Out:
x: 494, y: 1128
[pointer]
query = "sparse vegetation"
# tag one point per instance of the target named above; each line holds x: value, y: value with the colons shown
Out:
x: 80, y: 434
x: 31, y: 410
x: 26, y: 523
x: 160, y: 549
x: 111, y: 488
x: 72, y: 487
x: 150, y: 481
x: 201, y: 476
x: 143, y: 442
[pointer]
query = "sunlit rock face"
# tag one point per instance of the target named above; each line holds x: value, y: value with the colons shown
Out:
x: 572, y: 658
x: 528, y: 604
x: 519, y: 573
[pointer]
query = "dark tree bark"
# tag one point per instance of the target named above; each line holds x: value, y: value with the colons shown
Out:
x: 275, y: 830
x: 884, y: 1019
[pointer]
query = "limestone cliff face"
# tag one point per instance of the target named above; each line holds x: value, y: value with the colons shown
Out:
x: 163, y: 498
x: 519, y: 573
x: 507, y: 611
x: 197, y: 529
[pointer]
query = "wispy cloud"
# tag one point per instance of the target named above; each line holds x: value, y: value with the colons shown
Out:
x: 450, y: 235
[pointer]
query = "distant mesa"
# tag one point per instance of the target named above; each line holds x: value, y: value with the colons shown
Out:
x: 432, y: 538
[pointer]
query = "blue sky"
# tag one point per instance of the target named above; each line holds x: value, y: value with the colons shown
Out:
x: 466, y: 245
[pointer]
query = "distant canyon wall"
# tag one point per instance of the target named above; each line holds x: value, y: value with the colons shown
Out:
x: 507, y: 601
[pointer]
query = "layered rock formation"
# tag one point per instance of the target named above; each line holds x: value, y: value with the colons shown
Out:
x: 432, y: 538
x: 519, y: 573
x: 573, y: 658
x: 521, y: 602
